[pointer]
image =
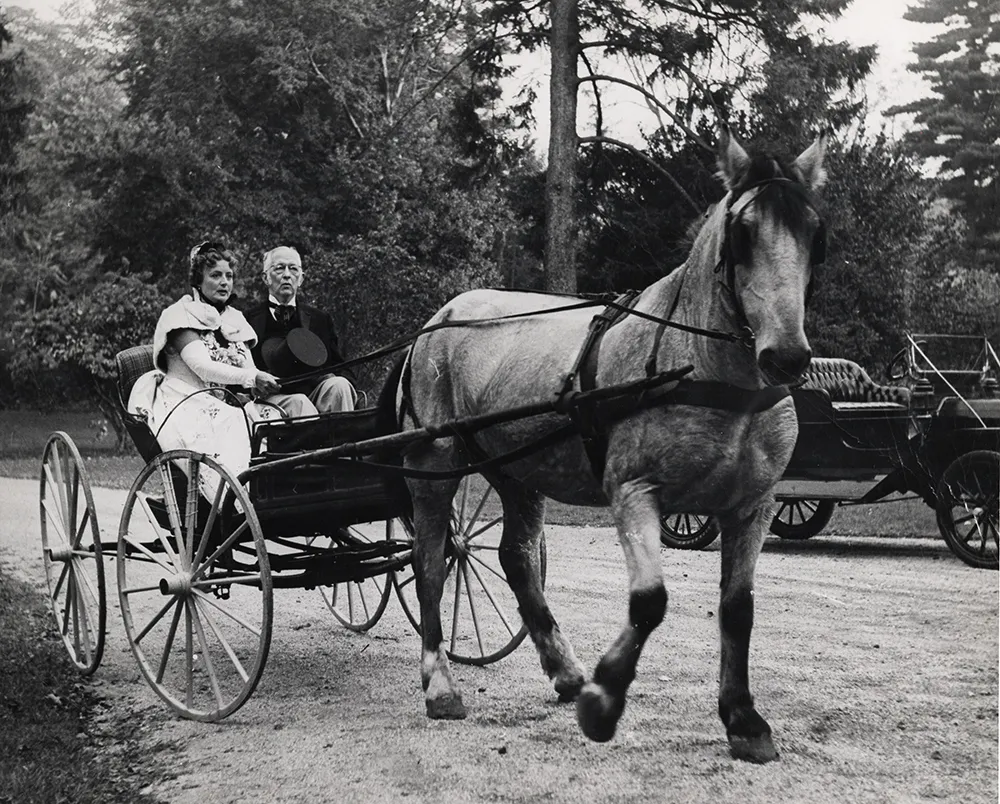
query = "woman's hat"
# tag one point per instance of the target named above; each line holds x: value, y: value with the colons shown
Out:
x: 298, y: 352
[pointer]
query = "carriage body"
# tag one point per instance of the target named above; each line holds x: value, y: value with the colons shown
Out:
x: 196, y: 575
x: 935, y: 434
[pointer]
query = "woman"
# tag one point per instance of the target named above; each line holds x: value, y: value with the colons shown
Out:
x: 201, y: 344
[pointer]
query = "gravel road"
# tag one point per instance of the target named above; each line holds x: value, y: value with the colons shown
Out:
x: 875, y: 661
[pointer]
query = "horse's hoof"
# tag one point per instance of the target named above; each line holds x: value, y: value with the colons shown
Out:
x: 759, y: 749
x: 597, y: 712
x: 569, y: 688
x: 446, y: 707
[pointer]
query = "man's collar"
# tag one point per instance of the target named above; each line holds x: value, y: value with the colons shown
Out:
x: 272, y: 300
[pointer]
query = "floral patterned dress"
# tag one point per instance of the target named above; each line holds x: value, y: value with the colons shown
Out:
x: 197, y: 417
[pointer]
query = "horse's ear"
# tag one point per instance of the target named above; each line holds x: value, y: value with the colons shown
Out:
x: 809, y: 163
x: 733, y: 161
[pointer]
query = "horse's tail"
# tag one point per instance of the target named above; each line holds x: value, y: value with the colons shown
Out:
x: 386, y: 417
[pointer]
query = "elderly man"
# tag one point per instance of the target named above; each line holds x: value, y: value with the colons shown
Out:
x: 282, y: 313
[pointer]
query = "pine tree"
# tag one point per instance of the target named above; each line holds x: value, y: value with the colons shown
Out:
x: 960, y: 124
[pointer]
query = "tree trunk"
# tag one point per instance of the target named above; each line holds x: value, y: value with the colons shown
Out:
x: 560, y: 185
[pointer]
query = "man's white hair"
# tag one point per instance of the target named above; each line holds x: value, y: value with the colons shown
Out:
x: 269, y: 256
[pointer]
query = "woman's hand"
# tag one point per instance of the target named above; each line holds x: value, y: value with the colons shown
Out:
x: 266, y: 384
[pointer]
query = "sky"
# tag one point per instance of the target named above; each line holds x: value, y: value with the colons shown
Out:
x: 866, y: 22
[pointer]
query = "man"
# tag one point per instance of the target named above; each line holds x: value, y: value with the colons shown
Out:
x: 282, y: 313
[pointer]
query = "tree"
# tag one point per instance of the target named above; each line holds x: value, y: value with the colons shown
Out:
x: 367, y: 138
x: 959, y: 125
x: 688, y: 58
x: 14, y: 109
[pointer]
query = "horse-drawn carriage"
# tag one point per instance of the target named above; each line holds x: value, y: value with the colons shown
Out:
x: 676, y: 399
x: 935, y: 433
x: 196, y: 576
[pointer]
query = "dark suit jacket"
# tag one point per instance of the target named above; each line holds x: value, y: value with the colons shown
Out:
x: 313, y: 319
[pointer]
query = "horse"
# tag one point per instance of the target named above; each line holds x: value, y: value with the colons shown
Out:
x: 719, y: 450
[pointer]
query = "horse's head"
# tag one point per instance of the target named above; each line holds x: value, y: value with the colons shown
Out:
x: 773, y: 239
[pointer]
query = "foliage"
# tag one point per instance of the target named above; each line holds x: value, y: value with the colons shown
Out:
x: 14, y: 109
x: 959, y: 125
x: 368, y: 140
x: 69, y: 346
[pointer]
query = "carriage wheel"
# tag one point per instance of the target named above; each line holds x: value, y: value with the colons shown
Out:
x: 71, y: 550
x: 479, y: 615
x: 688, y: 531
x: 801, y: 519
x: 194, y: 586
x: 967, y: 508
x: 358, y: 605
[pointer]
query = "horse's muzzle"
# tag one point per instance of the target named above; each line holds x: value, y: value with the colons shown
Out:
x: 784, y: 366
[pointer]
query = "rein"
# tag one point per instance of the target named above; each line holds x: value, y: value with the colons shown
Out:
x: 407, y: 340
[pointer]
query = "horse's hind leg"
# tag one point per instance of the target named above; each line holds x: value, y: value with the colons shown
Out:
x: 431, y: 517
x: 748, y: 733
x: 524, y: 516
x: 602, y: 701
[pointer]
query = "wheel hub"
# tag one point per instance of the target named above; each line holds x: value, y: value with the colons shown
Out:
x: 179, y: 584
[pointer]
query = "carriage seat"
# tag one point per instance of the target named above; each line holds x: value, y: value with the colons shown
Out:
x: 131, y: 364
x: 849, y: 385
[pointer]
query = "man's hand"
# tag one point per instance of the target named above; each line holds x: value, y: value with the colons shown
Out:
x: 266, y: 384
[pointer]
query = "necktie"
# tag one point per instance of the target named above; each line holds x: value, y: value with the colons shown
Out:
x: 283, y: 313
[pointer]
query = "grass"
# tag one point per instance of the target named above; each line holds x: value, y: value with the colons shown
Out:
x: 52, y: 747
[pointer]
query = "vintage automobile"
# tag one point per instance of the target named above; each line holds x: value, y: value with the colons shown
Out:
x: 935, y: 433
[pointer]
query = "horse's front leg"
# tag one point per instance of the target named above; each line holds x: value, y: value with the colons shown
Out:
x: 748, y: 733
x: 602, y: 700
x: 431, y: 517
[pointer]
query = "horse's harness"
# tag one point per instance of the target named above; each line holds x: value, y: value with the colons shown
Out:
x: 736, y: 240
x: 589, y: 412
x: 699, y: 393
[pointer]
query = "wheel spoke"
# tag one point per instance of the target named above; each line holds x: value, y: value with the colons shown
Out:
x: 168, y: 645
x: 229, y: 542
x: 173, y: 512
x: 489, y: 595
x: 57, y: 523
x: 83, y: 626
x: 239, y: 621
x: 69, y: 604
x: 74, y: 497
x: 84, y: 521
x: 167, y: 549
x: 156, y: 618
x: 472, y: 607
x: 60, y: 481
x: 455, y: 612
x: 189, y: 656
x: 223, y: 641
x: 469, y: 523
x: 206, y: 656
x: 62, y: 577
x: 482, y: 563
x: 191, y: 514
x: 136, y: 544
x: 491, y: 524
x: 209, y: 526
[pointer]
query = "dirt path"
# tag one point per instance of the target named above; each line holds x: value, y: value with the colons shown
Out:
x: 875, y: 661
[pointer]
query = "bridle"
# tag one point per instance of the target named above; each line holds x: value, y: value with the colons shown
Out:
x: 736, y: 240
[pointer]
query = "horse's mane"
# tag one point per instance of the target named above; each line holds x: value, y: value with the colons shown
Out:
x: 791, y: 209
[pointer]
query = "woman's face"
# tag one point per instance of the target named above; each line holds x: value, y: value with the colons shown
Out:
x: 217, y: 283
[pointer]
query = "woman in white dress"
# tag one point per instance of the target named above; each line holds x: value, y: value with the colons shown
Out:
x: 200, y: 345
